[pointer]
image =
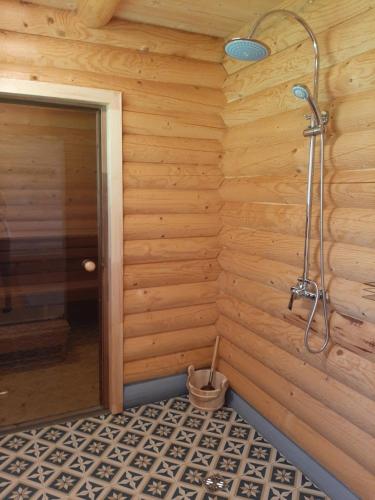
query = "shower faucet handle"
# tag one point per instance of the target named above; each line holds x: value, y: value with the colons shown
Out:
x: 325, y: 117
x: 291, y: 300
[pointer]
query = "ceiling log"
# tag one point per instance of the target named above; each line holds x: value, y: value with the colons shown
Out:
x: 96, y: 13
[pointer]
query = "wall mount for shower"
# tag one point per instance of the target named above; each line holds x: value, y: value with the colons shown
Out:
x: 251, y: 49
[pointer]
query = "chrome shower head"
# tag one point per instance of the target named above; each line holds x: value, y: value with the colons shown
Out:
x: 301, y: 91
x: 246, y: 49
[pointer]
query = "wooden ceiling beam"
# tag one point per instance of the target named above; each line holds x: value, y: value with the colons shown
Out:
x: 96, y: 13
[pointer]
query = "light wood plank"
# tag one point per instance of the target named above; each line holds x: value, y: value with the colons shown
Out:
x: 47, y: 21
x: 48, y: 52
x: 169, y: 297
x: 143, y: 251
x: 166, y: 343
x: 140, y: 227
x: 162, y: 366
x: 136, y: 325
x: 170, y: 273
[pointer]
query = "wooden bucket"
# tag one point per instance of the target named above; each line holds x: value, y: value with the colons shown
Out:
x: 206, y: 400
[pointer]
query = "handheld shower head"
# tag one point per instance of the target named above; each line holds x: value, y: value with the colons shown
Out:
x: 246, y: 49
x: 301, y: 91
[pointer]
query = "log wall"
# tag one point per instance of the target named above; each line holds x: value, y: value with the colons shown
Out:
x: 200, y: 252
x: 171, y: 87
x: 324, y: 402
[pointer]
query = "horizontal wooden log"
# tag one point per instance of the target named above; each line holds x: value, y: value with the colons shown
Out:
x: 293, y: 324
x: 353, y: 226
x: 351, y: 262
x: 355, y: 189
x: 143, y: 251
x: 183, y: 124
x: 257, y: 339
x: 330, y: 456
x: 60, y: 215
x: 170, y: 273
x: 112, y: 61
x: 325, y: 421
x: 138, y: 95
x: 139, y: 148
x: 169, y: 297
x: 48, y: 229
x: 200, y: 17
x: 134, y: 179
x: 47, y: 276
x: 73, y: 198
x: 47, y: 294
x: 162, y: 366
x: 280, y: 32
x: 141, y: 227
x: 282, y: 276
x: 181, y: 318
x: 341, y: 88
x: 36, y: 20
x: 45, y: 116
x: 164, y: 201
x: 275, y: 302
x: 171, y: 176
x: 71, y: 138
x: 162, y: 344
x: 342, y: 152
x: 46, y: 180
x: 337, y: 44
x: 359, y: 338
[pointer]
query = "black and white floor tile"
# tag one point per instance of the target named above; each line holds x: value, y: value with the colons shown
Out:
x: 160, y: 450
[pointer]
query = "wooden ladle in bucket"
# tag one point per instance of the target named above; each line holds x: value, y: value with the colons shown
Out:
x: 209, y: 386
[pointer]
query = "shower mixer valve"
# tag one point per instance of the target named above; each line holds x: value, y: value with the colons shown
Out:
x: 301, y: 290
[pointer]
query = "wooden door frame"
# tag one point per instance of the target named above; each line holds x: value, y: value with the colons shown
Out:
x: 110, y: 104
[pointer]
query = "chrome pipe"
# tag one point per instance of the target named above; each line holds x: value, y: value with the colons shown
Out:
x: 309, y: 193
x: 310, y: 32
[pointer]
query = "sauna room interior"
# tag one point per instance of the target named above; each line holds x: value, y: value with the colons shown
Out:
x: 187, y: 249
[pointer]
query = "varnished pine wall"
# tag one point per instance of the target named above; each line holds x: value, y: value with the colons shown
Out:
x: 324, y: 402
x: 171, y: 86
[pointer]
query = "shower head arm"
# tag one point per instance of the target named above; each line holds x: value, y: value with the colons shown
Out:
x: 310, y: 32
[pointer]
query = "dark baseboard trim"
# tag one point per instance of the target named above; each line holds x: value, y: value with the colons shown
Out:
x: 168, y: 387
x: 318, y: 474
x: 150, y: 391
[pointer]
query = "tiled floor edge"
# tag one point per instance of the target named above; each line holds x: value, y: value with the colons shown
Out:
x: 149, y: 391
x: 146, y: 392
x: 318, y: 474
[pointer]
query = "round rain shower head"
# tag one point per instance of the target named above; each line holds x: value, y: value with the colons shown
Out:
x: 246, y: 49
x: 301, y: 91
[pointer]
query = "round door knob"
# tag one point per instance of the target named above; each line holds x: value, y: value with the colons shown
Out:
x: 88, y: 265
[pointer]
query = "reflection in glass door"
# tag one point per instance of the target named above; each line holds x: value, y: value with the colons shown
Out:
x: 50, y: 334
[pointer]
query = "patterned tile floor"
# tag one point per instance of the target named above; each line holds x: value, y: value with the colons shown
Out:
x: 160, y: 450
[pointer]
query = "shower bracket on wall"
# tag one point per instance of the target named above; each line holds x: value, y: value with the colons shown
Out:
x: 324, y: 114
x: 316, y: 129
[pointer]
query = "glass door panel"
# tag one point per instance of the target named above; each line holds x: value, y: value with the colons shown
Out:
x: 49, y: 281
